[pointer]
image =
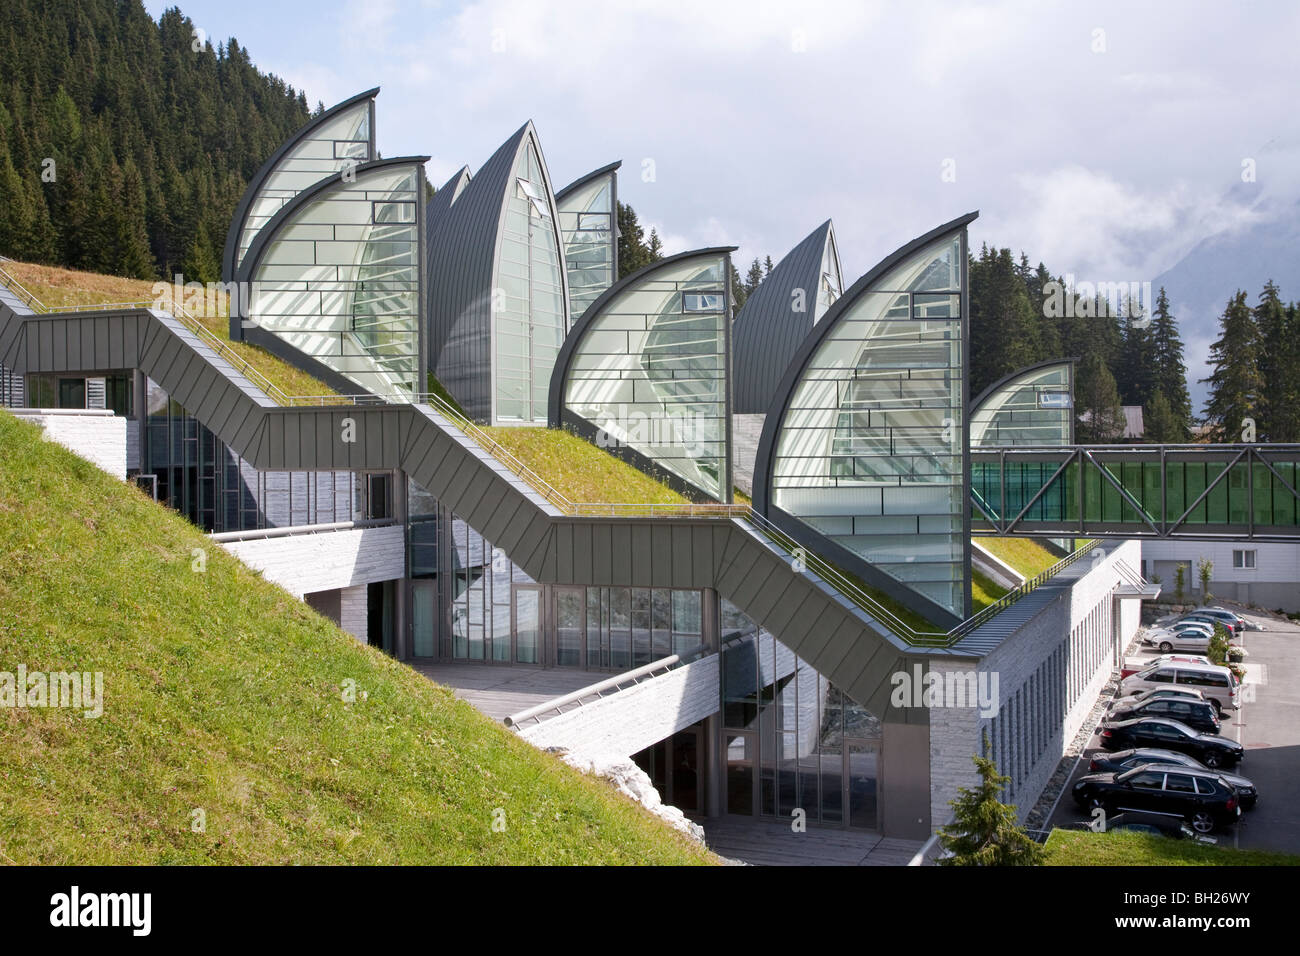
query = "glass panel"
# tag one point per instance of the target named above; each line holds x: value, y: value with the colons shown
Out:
x: 863, y: 758
x: 423, y: 601
x: 568, y: 628
x: 527, y: 625
x: 740, y: 774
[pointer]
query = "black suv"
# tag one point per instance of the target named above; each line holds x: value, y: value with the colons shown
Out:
x: 1201, y: 797
x: 1197, y: 714
x: 1129, y: 759
x: 1210, y: 749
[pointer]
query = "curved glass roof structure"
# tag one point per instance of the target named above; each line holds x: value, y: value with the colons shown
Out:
x: 342, y: 135
x: 335, y: 276
x: 780, y: 313
x: 644, y: 374
x: 589, y: 229
x: 1031, y: 406
x: 498, y: 296
x: 863, y: 455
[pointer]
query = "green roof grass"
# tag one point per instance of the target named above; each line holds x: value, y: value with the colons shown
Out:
x: 1026, y: 555
x: 56, y: 288
x: 581, y: 471
x: 225, y: 703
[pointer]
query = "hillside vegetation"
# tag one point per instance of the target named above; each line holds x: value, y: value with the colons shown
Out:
x: 227, y: 733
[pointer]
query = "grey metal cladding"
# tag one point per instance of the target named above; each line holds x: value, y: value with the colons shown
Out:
x: 727, y: 555
x: 767, y: 331
x: 435, y: 211
x: 255, y: 184
x: 461, y: 260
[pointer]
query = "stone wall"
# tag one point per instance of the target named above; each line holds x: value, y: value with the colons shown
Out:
x: 97, y: 435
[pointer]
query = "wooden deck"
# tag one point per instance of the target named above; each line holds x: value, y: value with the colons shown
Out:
x: 772, y: 843
x: 502, y: 690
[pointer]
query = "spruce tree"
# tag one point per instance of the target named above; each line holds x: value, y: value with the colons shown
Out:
x: 1101, y: 417
x: 1235, y: 384
x: 984, y: 831
x: 1161, y: 424
x: 1279, y: 367
x: 633, y: 253
x: 655, y: 247
x: 753, y: 278
x: 1171, y: 372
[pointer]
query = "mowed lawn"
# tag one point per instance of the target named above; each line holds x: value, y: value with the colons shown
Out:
x: 239, y: 726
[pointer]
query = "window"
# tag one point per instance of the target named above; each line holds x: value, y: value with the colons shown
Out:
x: 1243, y: 560
x: 1180, y: 783
x: 379, y: 496
x: 394, y: 212
x: 702, y: 302
x: 1147, y: 780
x: 1204, y: 786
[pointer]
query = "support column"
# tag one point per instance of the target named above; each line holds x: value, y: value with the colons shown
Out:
x: 402, y: 616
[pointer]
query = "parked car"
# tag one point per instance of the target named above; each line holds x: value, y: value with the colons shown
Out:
x: 1202, y: 626
x: 1123, y: 760
x: 1166, y: 690
x: 1211, y: 620
x: 1188, y: 639
x: 1200, y: 797
x: 1197, y: 714
x: 1168, y: 734
x: 1217, y: 684
x: 1233, y: 621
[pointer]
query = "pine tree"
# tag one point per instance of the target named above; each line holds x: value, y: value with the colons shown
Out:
x: 1005, y: 332
x: 738, y: 293
x: 984, y: 831
x: 1235, y: 384
x: 767, y: 266
x: 753, y: 278
x: 633, y: 254
x: 1171, y: 372
x: 1138, y: 368
x: 1279, y: 367
x: 655, y: 248
x: 1161, y: 424
x: 1101, y: 417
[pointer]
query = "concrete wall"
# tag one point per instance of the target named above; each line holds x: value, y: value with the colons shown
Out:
x: 633, y: 719
x: 1274, y: 581
x: 354, y: 611
x: 1049, y: 672
x: 97, y: 435
x: 327, y: 560
x: 746, y: 430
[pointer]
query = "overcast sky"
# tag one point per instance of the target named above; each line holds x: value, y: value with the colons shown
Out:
x: 1101, y: 138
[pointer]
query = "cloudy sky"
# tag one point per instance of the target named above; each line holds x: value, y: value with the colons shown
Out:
x: 1102, y: 138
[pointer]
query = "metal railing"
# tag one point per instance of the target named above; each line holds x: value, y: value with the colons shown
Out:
x: 612, y: 684
x: 824, y: 570
x: 291, y: 531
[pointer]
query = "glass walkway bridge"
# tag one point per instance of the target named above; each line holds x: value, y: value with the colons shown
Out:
x: 1145, y: 491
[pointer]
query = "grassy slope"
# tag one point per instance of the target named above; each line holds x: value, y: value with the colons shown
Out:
x: 1024, y: 554
x: 579, y: 470
x: 1077, y: 848
x: 66, y: 287
x: 984, y: 591
x: 221, y: 692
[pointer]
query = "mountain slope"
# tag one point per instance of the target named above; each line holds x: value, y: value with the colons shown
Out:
x: 224, y: 695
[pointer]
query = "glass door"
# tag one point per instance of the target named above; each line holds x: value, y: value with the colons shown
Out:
x: 528, y: 624
x: 570, y: 629
x: 861, y: 784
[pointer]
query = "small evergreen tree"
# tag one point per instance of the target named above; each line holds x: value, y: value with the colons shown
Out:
x: 984, y: 831
x: 754, y: 277
x: 1162, y: 426
x: 1171, y: 372
x: 1205, y: 571
x: 1101, y: 417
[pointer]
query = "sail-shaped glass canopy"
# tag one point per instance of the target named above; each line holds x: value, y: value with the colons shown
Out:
x: 646, y: 373
x: 1034, y: 406
x: 336, y: 276
x: 589, y: 231
x: 869, y: 449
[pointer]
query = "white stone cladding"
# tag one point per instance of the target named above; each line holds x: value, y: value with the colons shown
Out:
x: 354, y: 611
x: 636, y: 717
x: 327, y: 560
x: 1049, y: 672
x: 96, y: 435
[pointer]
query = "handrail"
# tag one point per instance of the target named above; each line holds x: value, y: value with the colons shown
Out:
x: 289, y: 531
x: 613, y: 682
x: 823, y: 569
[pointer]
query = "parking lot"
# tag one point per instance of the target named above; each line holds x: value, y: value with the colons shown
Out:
x: 1268, y: 726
